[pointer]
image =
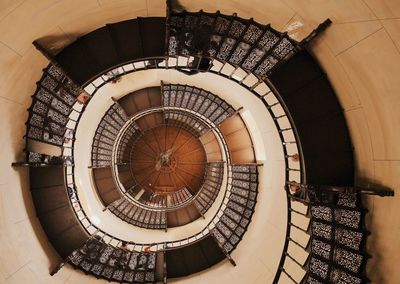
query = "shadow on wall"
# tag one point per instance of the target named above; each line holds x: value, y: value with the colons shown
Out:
x: 374, y: 266
x: 175, y: 6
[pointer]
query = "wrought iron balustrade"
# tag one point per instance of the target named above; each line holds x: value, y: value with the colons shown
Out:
x: 168, y: 63
x: 263, y: 90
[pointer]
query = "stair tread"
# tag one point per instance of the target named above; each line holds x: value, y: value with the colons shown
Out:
x: 127, y: 39
x: 152, y: 31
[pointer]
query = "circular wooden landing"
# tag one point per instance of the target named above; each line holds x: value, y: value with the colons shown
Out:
x: 168, y: 158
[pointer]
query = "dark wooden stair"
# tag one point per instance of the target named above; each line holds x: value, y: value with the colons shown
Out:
x: 194, y: 258
x: 182, y: 216
x: 105, y: 185
x: 319, y: 120
x: 112, y: 45
x: 141, y: 100
x: 55, y: 214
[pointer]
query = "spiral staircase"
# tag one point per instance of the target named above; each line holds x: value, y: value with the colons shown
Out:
x: 167, y: 155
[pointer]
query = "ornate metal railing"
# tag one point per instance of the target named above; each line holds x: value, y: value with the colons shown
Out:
x: 105, y: 135
x: 298, y: 243
x: 207, y: 124
x: 262, y: 90
x: 197, y: 100
x: 87, y: 224
x: 51, y: 108
x: 245, y: 52
x: 291, y: 145
x: 236, y: 215
x: 115, y: 264
x: 170, y: 62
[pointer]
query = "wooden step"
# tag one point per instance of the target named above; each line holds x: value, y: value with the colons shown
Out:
x: 105, y: 185
x: 182, y: 216
x: 105, y: 48
x: 318, y: 118
x: 193, y: 258
x: 127, y: 40
x: 152, y: 34
x: 54, y: 211
x: 49, y: 198
x: 141, y: 100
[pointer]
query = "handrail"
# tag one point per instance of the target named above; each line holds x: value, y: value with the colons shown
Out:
x: 121, y: 188
x: 101, y: 81
x: 84, y: 217
x: 280, y: 130
x: 153, y: 63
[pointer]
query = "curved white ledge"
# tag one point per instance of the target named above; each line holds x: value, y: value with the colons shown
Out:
x: 271, y: 200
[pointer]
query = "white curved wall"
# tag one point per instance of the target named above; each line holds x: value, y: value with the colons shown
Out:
x: 359, y: 52
x: 269, y: 220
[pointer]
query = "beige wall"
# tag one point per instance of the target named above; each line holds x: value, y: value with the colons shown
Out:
x: 359, y: 52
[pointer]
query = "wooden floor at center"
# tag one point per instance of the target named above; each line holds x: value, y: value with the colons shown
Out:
x: 185, y: 166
